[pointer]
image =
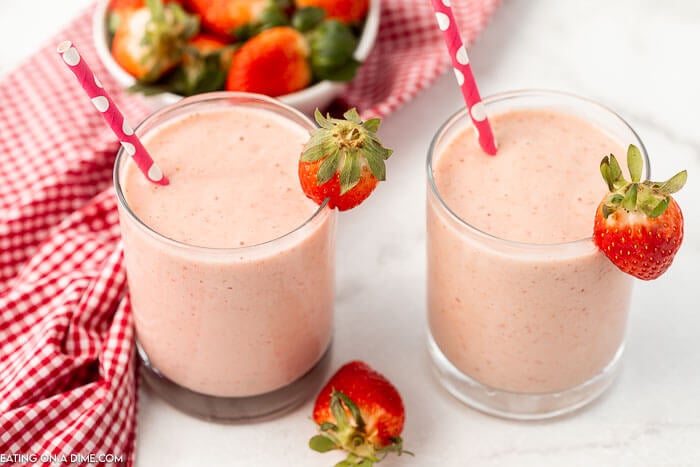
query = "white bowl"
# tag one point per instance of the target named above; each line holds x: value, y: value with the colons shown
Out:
x: 307, y: 100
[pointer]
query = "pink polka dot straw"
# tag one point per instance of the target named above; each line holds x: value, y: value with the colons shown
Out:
x: 114, y: 118
x: 463, y: 71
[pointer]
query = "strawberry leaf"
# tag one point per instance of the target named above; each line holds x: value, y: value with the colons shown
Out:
x: 156, y: 9
x: 323, y: 122
x: 340, y: 74
x: 674, y: 183
x: 317, y: 148
x: 149, y: 89
x: 659, y: 208
x: 199, y: 73
x: 606, y: 172
x: 630, y: 200
x: 352, y: 116
x: 113, y: 22
x: 375, y: 160
x: 615, y: 198
x: 607, y: 209
x: 328, y: 167
x: 305, y: 19
x: 321, y: 443
x: 634, y: 162
x: 372, y: 124
x: 616, y: 172
x: 332, y: 48
x: 166, y: 34
x: 352, y: 407
x: 350, y: 174
x: 395, y: 446
x: 327, y: 426
x: 271, y: 16
x: 244, y: 32
x: 338, y: 411
x: 332, y: 44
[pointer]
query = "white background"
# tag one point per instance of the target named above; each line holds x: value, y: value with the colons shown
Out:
x: 639, y: 57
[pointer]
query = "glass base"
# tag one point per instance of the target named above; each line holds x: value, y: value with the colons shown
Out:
x: 519, y: 406
x: 235, y: 409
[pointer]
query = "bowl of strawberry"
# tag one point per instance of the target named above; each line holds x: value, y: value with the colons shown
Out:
x: 303, y: 52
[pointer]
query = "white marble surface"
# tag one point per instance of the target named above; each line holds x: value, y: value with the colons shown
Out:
x: 638, y: 57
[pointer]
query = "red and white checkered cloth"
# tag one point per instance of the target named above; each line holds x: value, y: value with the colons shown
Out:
x: 67, y: 365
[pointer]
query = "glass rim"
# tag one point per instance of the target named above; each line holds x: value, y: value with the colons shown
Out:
x: 219, y: 96
x: 515, y: 94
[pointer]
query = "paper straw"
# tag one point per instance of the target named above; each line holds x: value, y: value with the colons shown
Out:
x: 463, y: 72
x: 114, y: 118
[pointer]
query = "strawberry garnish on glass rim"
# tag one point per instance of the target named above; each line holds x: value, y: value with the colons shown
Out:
x: 343, y: 160
x: 638, y: 225
x: 359, y: 411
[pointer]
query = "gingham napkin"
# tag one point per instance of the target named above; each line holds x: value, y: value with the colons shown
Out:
x: 67, y: 365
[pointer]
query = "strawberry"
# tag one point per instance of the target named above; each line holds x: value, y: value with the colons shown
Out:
x: 205, y: 63
x: 116, y: 5
x: 237, y: 19
x: 149, y: 41
x: 361, y: 412
x: 638, y: 225
x: 343, y: 160
x: 117, y: 10
x: 206, y: 44
x: 275, y: 62
x: 347, y: 11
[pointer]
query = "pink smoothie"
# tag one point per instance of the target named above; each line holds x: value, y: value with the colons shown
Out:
x: 222, y: 316
x: 524, y: 318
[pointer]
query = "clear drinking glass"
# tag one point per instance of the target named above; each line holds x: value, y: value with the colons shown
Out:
x: 230, y: 333
x: 520, y: 330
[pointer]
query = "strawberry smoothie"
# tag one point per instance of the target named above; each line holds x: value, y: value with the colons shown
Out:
x: 230, y: 267
x: 519, y: 298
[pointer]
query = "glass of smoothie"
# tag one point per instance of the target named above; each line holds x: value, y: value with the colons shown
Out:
x: 230, y: 267
x: 526, y: 317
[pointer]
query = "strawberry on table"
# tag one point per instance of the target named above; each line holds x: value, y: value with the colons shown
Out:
x: 343, y: 160
x: 347, y: 11
x: 149, y: 41
x: 361, y: 412
x: 638, y: 225
x: 275, y: 62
